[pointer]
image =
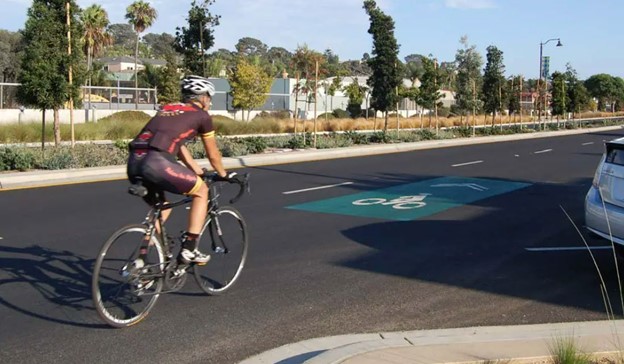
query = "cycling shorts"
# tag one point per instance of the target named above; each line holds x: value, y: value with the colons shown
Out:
x: 161, y: 172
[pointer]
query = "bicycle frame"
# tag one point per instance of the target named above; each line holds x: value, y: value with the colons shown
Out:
x: 154, y: 216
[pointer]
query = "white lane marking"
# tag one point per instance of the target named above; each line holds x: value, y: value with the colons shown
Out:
x: 317, y: 188
x: 543, y: 151
x: 569, y: 248
x: 589, y: 143
x: 466, y: 164
x: 473, y: 186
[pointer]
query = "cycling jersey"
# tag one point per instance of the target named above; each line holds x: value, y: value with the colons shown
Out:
x: 172, y: 127
x: 152, y: 153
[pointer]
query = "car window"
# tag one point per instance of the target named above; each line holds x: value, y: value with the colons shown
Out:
x: 616, y: 156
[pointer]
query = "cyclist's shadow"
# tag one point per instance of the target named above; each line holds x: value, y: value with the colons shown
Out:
x: 62, y: 278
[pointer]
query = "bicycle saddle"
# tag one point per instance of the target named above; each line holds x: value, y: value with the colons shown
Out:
x: 138, y: 190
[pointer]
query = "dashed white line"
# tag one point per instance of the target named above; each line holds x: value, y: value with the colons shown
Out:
x: 589, y: 143
x: 466, y: 164
x: 543, y: 151
x: 571, y: 248
x: 317, y: 188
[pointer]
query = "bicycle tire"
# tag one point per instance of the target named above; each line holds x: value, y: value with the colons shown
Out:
x: 224, y: 268
x: 116, y: 276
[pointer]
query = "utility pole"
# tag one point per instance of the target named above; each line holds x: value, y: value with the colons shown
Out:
x: 520, y: 102
x: 315, y: 96
x: 435, y: 80
x: 71, y: 92
x: 474, y: 107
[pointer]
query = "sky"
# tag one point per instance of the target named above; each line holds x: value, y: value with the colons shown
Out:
x: 588, y: 29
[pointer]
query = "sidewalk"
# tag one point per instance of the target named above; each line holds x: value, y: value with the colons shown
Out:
x: 515, y: 344
x: 33, y: 179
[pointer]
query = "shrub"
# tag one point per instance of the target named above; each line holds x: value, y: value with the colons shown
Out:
x: 126, y: 116
x: 296, y: 142
x: 232, y: 148
x: 328, y: 116
x: 333, y: 141
x: 122, y: 145
x: 356, y: 138
x: 379, y: 137
x: 93, y: 155
x: 255, y: 145
x: 341, y: 114
x: 426, y: 134
x: 197, y: 150
x: 20, y: 159
x: 354, y: 110
x: 59, y: 158
x: 462, y: 131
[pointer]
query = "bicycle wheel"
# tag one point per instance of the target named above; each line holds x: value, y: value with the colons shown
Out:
x: 227, y: 248
x: 125, y: 289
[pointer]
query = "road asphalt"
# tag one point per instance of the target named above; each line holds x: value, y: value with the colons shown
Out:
x: 521, y: 343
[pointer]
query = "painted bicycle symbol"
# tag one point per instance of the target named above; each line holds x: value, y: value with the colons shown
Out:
x: 401, y: 203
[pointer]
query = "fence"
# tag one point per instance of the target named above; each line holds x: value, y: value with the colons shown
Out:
x: 94, y: 97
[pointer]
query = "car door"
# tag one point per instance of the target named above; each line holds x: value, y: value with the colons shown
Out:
x: 612, y: 175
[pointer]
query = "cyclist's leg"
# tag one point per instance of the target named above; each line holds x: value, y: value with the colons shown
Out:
x: 163, y: 171
x: 140, y: 162
x: 197, y: 217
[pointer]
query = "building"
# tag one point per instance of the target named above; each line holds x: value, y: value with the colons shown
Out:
x: 125, y: 63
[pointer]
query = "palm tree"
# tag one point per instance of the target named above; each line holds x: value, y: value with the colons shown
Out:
x: 141, y: 16
x: 95, y: 36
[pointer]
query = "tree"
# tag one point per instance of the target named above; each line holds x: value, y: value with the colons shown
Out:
x: 603, y: 87
x: 304, y: 63
x: 141, y: 16
x: 384, y: 63
x: 429, y: 94
x: 356, y: 93
x: 45, y: 64
x: 194, y: 41
x: 169, y: 88
x: 250, y: 85
x: 249, y: 47
x: 95, y: 37
x: 515, y: 91
x: 493, y: 81
x: 10, y: 55
x: 123, y: 37
x: 159, y: 45
x: 559, y: 94
x: 355, y: 68
x: 577, y: 93
x: 469, y: 79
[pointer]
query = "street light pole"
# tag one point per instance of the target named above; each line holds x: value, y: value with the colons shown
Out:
x: 541, y: 61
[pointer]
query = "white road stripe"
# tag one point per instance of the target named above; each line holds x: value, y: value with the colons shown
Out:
x: 466, y: 164
x: 570, y: 248
x: 590, y: 143
x: 543, y: 151
x: 317, y: 188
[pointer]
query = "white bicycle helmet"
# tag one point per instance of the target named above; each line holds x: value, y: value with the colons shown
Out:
x: 196, y: 85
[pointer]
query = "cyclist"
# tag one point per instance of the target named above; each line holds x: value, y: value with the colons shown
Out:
x: 153, y: 161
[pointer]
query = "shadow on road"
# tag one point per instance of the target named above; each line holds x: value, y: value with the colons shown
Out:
x: 486, y: 246
x: 62, y: 278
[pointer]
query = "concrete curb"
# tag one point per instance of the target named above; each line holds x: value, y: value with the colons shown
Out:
x: 526, y: 343
x: 33, y: 179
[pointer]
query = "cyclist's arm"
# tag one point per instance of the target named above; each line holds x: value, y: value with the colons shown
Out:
x: 186, y: 158
x: 214, y: 155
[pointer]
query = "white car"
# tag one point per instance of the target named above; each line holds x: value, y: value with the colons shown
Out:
x: 606, y: 196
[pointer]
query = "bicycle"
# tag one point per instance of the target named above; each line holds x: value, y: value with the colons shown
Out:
x: 137, y: 263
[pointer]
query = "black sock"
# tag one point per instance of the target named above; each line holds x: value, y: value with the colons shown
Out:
x: 189, y: 241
